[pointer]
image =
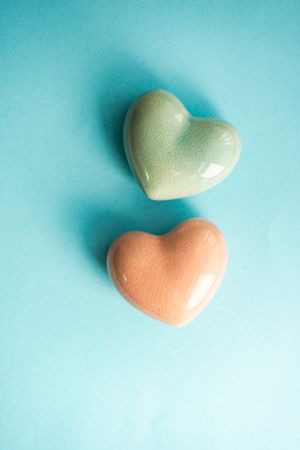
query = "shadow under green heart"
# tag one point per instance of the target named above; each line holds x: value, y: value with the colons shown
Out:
x: 98, y: 226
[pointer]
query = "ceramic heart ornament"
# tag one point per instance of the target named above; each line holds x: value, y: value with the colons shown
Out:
x: 170, y: 277
x: 173, y: 154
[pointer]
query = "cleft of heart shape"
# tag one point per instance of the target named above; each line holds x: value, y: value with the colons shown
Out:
x: 170, y: 277
x: 173, y: 154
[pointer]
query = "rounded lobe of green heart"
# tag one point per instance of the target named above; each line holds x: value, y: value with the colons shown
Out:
x: 173, y: 154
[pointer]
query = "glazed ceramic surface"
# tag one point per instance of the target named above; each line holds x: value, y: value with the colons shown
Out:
x: 170, y: 277
x: 173, y: 154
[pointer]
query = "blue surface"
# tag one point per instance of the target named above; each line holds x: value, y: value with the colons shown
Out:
x: 80, y: 368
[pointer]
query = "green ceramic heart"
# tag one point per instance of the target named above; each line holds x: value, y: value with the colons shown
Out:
x: 173, y: 154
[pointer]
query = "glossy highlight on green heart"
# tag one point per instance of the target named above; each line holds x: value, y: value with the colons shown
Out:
x: 173, y: 154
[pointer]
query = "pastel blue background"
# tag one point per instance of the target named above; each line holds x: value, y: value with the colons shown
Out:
x: 79, y: 367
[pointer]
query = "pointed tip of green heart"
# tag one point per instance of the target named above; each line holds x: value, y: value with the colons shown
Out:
x: 173, y: 154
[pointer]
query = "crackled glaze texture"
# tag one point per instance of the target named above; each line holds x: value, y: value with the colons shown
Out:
x: 170, y: 277
x: 173, y: 154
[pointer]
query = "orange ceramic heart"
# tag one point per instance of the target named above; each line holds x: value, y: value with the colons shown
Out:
x: 170, y: 277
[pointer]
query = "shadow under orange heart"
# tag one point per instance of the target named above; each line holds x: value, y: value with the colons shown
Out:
x: 171, y: 277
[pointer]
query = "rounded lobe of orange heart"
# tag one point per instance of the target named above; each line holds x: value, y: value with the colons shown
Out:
x: 170, y: 277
